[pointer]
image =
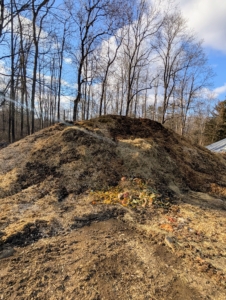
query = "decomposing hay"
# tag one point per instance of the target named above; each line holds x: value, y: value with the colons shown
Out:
x: 113, y: 207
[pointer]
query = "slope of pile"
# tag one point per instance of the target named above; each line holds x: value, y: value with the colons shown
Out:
x: 103, y: 150
x: 76, y: 198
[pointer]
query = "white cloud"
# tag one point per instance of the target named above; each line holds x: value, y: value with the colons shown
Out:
x: 215, y: 94
x: 66, y: 101
x: 3, y: 79
x: 68, y: 60
x: 208, y: 19
x: 220, y: 90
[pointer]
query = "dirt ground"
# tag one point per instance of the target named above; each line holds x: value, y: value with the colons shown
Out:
x: 111, y: 208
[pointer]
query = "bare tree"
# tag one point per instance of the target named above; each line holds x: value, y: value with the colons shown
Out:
x: 106, y: 56
x: 37, y: 27
x: 60, y: 40
x: 6, y: 18
x: 119, y: 51
x: 194, y: 77
x: 136, y: 53
x: 94, y: 20
x: 87, y: 16
x: 24, y: 52
x: 169, y: 46
x: 2, y: 10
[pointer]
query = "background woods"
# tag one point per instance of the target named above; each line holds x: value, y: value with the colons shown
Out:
x: 67, y: 60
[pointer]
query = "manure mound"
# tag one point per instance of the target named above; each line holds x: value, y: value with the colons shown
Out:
x: 95, y: 154
x: 111, y: 208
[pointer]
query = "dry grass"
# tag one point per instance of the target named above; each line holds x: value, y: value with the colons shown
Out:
x: 8, y: 179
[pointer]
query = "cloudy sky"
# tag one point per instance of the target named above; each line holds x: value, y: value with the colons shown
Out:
x: 208, y: 20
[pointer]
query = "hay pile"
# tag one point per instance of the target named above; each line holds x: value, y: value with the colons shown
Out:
x: 95, y: 154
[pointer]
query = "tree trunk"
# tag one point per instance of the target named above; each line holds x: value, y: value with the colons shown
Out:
x: 12, y: 83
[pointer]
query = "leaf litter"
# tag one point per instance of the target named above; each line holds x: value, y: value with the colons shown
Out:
x: 130, y: 193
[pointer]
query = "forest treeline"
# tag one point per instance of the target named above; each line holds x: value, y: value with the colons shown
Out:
x: 73, y: 60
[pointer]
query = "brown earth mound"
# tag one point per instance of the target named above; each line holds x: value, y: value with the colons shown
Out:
x: 111, y: 208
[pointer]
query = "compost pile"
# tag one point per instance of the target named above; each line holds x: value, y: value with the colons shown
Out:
x: 111, y: 208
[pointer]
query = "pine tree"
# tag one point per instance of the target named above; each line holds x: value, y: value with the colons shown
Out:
x: 215, y: 129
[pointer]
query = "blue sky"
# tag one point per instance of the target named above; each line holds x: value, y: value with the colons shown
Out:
x: 207, y: 18
x: 217, y: 60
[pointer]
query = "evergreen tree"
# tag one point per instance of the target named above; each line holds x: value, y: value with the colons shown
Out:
x: 215, y: 129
